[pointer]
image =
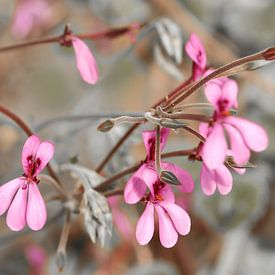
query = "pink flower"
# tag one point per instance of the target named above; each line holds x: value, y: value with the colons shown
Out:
x: 195, y: 50
x: 173, y: 220
x: 28, y: 15
x: 243, y: 134
x: 120, y: 219
x: 147, y: 175
x: 36, y: 258
x: 86, y: 63
x: 21, y: 196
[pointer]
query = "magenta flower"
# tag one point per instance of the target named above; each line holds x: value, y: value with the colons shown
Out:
x: 86, y: 63
x: 21, y: 196
x: 28, y: 15
x: 173, y: 220
x: 243, y: 134
x: 195, y: 50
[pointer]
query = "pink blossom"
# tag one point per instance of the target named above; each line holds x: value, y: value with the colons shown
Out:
x: 173, y: 220
x: 36, y: 258
x: 86, y: 63
x: 21, y: 196
x: 243, y: 135
x: 195, y: 50
x: 120, y: 219
x: 28, y: 15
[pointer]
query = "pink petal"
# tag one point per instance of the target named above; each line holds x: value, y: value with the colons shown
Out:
x: 213, y: 93
x: 214, y: 149
x: 239, y: 151
x: 167, y: 193
x: 36, y: 208
x: 167, y: 232
x: 203, y: 129
x: 240, y: 171
x: 230, y: 92
x: 253, y: 134
x: 123, y: 224
x: 224, y: 179
x: 136, y: 185
x: 149, y: 139
x: 16, y: 217
x: 7, y: 192
x: 44, y: 154
x: 208, y: 184
x: 179, y: 217
x: 29, y: 150
x: 86, y: 63
x: 145, y: 225
x: 186, y: 180
x: 195, y: 50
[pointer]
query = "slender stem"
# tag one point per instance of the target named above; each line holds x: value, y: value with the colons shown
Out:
x: 214, y: 74
x: 113, y: 193
x: 29, y: 132
x: 133, y: 127
x: 157, y: 151
x: 195, y: 117
x: 194, y: 132
x: 133, y: 168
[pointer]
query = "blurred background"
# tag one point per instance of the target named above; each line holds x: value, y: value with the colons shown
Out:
x: 230, y: 235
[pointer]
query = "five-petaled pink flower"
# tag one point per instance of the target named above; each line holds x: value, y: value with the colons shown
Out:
x: 243, y: 134
x: 21, y: 196
x: 86, y: 63
x: 30, y: 14
x: 195, y: 50
x: 172, y: 218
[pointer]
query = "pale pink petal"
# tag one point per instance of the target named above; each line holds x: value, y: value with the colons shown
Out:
x: 230, y: 92
x: 186, y: 180
x: 138, y: 182
x: 7, y: 192
x: 149, y: 139
x: 255, y: 137
x: 123, y: 224
x: 239, y: 151
x: 167, y: 232
x: 29, y: 151
x: 224, y: 179
x: 16, y: 217
x: 86, y: 63
x: 203, y: 129
x: 240, y: 171
x: 167, y: 193
x: 214, y: 149
x: 195, y: 50
x: 179, y: 217
x: 208, y: 184
x: 36, y: 208
x: 43, y: 156
x: 145, y: 225
x: 213, y: 93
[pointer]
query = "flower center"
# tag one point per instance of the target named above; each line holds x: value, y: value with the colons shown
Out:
x: 33, y: 164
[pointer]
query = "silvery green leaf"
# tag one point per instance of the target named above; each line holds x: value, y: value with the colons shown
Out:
x: 171, y: 38
x: 87, y: 177
x: 166, y: 64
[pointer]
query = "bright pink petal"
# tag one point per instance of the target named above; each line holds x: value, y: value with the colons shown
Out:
x: 214, y: 149
x: 16, y: 217
x: 253, y: 134
x: 195, y: 50
x: 136, y: 185
x: 239, y: 151
x: 179, y: 217
x: 208, y: 184
x: 203, y: 129
x: 44, y: 155
x: 29, y: 151
x: 167, y: 193
x: 145, y: 225
x: 149, y: 139
x: 36, y: 208
x: 7, y: 192
x: 224, y: 180
x: 86, y: 63
x: 230, y: 92
x: 186, y: 180
x: 213, y: 93
x: 167, y: 232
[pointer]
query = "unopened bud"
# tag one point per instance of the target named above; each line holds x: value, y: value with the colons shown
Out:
x: 106, y: 125
x: 169, y: 177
